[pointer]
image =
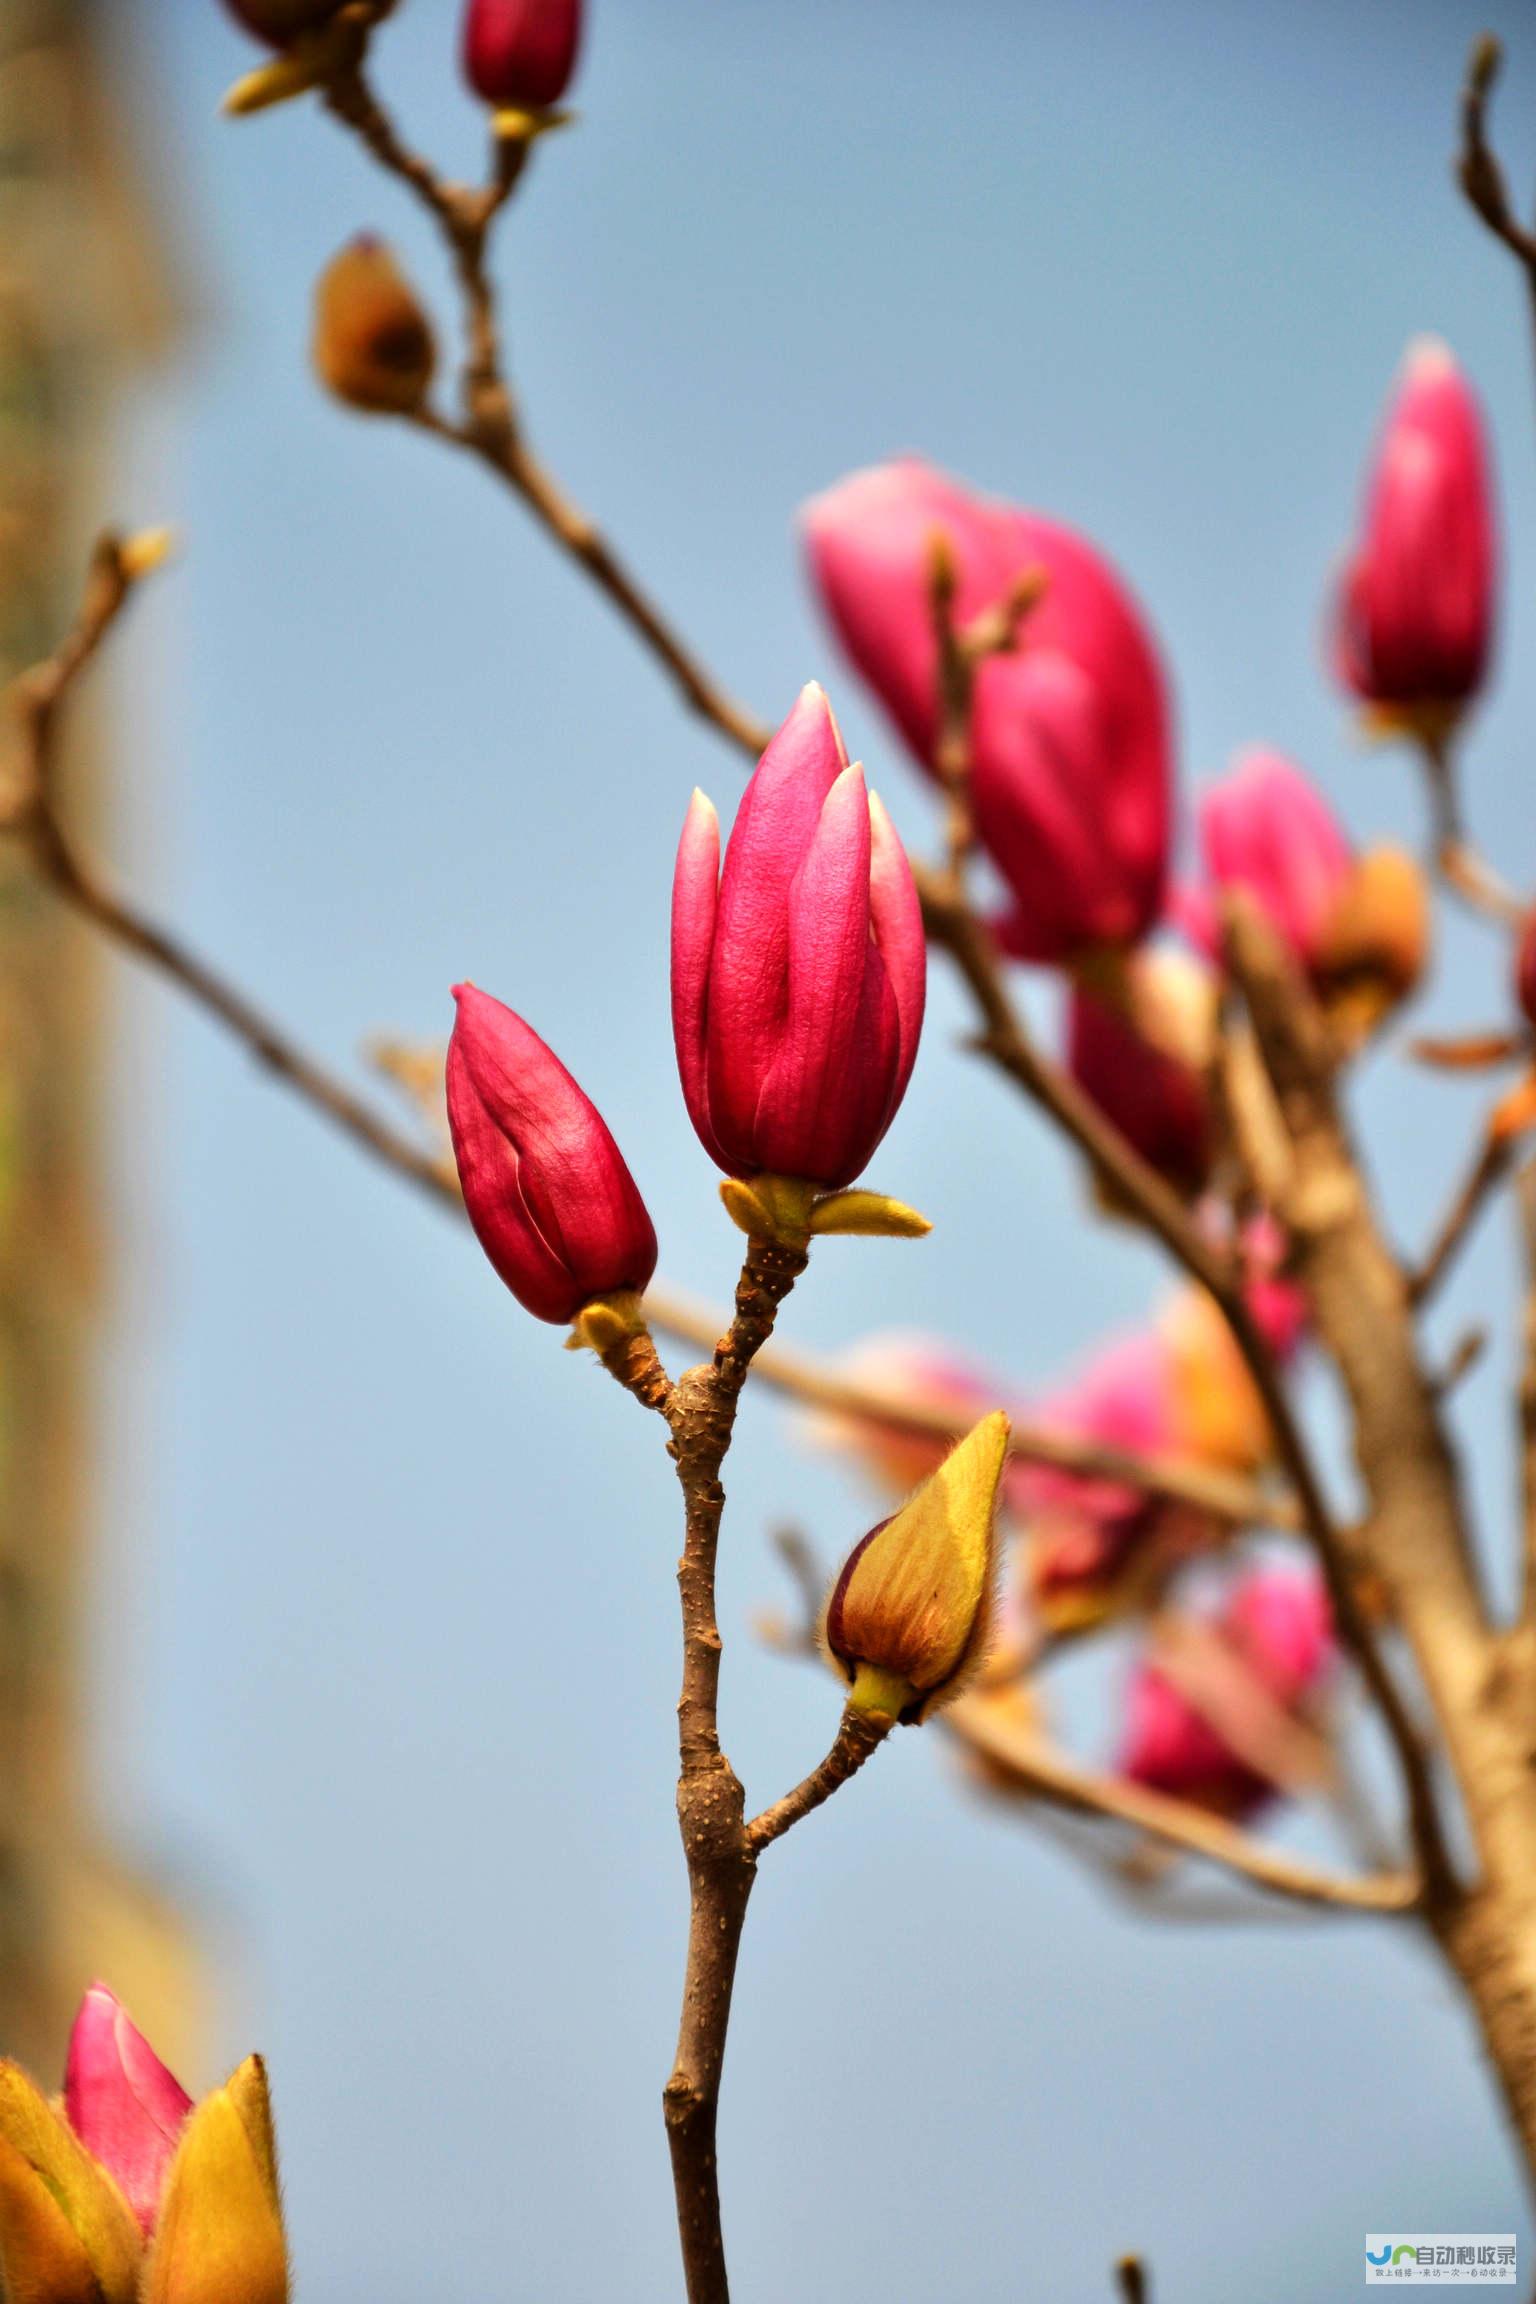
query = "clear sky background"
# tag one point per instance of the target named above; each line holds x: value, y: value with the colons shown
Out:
x: 389, y: 1662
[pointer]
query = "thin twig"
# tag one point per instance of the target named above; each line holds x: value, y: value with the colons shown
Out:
x: 1466, y: 873
x: 1487, y: 1170
x: 1478, y: 170
x: 858, y: 1736
x: 1023, y: 1761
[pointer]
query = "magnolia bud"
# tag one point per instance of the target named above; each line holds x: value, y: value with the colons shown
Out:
x: 909, y: 1617
x: 121, y: 2101
x: 279, y: 21
x: 520, y: 54
x: 373, y: 345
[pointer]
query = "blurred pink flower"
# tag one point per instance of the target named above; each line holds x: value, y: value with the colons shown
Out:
x: 1071, y: 767
x: 1276, y: 1629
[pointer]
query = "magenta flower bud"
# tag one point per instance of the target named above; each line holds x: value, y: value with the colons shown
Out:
x: 521, y: 53
x: 122, y: 2103
x: 551, y: 1201
x: 1359, y: 927
x: 799, y: 973
x: 1070, y: 742
x: 1266, y: 829
x: 1413, y: 618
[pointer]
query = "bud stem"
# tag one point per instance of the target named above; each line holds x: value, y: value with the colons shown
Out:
x: 860, y: 1733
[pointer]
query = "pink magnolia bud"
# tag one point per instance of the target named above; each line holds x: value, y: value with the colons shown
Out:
x: 1277, y: 1629
x: 1357, y: 926
x: 798, y: 975
x: 551, y: 1201
x: 1413, y: 619
x: 1146, y: 1069
x: 1069, y: 735
x: 521, y: 53
x: 1267, y: 830
x: 122, y: 2103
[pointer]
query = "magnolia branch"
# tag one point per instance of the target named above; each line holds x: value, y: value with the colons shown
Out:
x: 1022, y: 1761
x: 489, y: 427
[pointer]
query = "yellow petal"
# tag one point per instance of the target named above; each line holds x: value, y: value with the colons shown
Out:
x: 44, y: 2155
x: 42, y: 2258
x: 220, y: 2235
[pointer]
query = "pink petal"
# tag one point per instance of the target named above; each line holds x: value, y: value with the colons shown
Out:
x: 695, y: 901
x: 121, y: 2102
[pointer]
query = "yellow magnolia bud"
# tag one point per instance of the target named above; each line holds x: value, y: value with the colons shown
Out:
x: 219, y: 2239
x: 67, y: 2235
x: 1375, y: 943
x: 909, y: 1616
x: 373, y: 344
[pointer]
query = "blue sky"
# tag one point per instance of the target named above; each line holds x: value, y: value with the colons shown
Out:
x: 388, y: 1668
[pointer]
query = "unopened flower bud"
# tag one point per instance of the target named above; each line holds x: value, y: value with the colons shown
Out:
x: 520, y: 54
x: 798, y: 972
x: 1413, y: 620
x: 122, y: 2102
x: 373, y: 344
x: 909, y: 1617
x: 545, y: 1186
x: 125, y: 2192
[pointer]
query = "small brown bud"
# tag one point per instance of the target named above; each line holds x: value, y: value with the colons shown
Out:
x: 373, y: 344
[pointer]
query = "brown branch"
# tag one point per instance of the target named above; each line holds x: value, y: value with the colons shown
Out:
x: 858, y: 1737
x: 1023, y: 1761
x: 1477, y: 167
x: 1360, y: 1301
x: 489, y: 427
x: 720, y: 1854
